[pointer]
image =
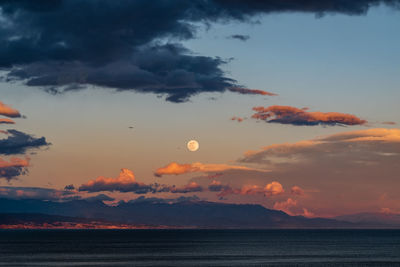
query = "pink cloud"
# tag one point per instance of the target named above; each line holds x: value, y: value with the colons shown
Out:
x: 176, y: 169
x: 271, y: 189
x: 296, y: 116
x: 285, y: 206
x: 13, y: 168
x: 238, y: 119
x: 289, y: 205
x: 296, y: 190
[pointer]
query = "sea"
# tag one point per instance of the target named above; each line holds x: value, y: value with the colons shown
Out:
x: 199, y: 247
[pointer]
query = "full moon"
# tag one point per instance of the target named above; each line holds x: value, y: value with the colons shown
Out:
x: 193, y: 145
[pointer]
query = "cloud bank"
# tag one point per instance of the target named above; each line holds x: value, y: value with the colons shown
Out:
x: 336, y: 169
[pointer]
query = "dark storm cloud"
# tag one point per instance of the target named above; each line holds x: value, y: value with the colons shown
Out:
x: 239, y: 37
x: 65, y: 45
x: 162, y: 69
x: 18, y: 143
x: 243, y: 8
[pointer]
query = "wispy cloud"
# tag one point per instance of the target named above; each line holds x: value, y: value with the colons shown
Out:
x: 246, y: 91
x: 389, y: 123
x: 176, y: 169
x: 240, y: 37
x: 332, y: 165
x: 6, y: 121
x: 372, y: 141
x: 297, y: 190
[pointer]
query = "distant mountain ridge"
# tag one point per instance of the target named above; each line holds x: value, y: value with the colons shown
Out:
x: 196, y: 214
x: 372, y: 219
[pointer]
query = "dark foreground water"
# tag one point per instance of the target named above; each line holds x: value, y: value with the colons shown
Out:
x: 199, y: 248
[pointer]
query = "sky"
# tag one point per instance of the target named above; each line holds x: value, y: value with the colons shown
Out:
x: 295, y: 106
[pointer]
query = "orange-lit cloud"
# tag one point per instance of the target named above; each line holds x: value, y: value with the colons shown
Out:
x: 6, y: 121
x: 372, y: 141
x: 8, y: 111
x: 176, y: 169
x: 215, y: 175
x: 285, y: 206
x: 271, y: 189
x: 14, y: 162
x: 368, y: 159
x: 238, y: 119
x: 289, y: 207
x: 388, y: 211
x: 246, y: 91
x: 296, y: 190
x: 13, y: 168
x: 370, y: 136
x: 307, y: 213
x: 125, y: 182
x: 296, y: 116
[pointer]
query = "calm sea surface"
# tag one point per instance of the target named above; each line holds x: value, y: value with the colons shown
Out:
x: 200, y: 248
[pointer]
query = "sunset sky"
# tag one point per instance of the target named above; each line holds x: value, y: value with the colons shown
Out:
x: 295, y: 106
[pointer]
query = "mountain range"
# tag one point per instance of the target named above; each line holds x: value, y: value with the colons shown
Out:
x: 178, y: 214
